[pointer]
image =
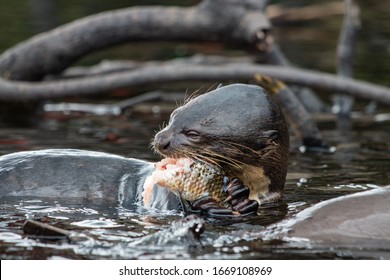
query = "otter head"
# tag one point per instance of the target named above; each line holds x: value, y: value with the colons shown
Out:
x: 238, y: 127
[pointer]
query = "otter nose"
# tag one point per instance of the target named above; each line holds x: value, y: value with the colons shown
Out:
x: 163, y: 144
x: 162, y: 141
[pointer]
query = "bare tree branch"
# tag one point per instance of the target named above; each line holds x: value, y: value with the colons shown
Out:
x: 300, y: 120
x: 309, y: 99
x: 279, y: 14
x: 104, y: 109
x: 229, y: 21
x: 175, y: 72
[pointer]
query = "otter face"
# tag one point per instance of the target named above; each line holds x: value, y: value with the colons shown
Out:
x: 185, y: 134
x: 238, y: 127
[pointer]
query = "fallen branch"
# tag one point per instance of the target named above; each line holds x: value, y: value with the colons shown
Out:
x: 116, y: 66
x: 103, y: 109
x: 279, y: 14
x: 44, y: 231
x: 308, y: 98
x: 300, y: 120
x: 25, y: 91
x: 228, y: 21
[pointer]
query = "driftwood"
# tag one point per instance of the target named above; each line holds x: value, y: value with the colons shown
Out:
x: 45, y: 231
x: 104, y: 109
x: 281, y: 15
x: 34, y: 70
x: 229, y: 21
x: 298, y: 117
x: 173, y: 72
x: 308, y: 98
x: 240, y: 23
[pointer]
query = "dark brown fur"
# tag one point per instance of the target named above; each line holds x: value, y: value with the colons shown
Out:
x: 238, y: 127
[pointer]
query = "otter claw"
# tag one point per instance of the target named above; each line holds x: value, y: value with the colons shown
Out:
x: 211, y: 208
x: 236, y: 190
x: 238, y: 197
x: 204, y: 204
x: 246, y: 206
x: 228, y: 184
x: 216, y: 212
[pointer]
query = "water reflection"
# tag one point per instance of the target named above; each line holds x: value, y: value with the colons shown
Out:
x: 360, y: 163
x: 99, y: 223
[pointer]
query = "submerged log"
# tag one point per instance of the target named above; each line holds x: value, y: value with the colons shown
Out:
x: 44, y: 231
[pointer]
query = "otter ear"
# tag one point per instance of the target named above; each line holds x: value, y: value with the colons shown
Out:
x: 272, y: 135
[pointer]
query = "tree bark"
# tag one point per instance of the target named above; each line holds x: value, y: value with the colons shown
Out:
x: 228, y: 21
x: 308, y: 98
x: 300, y: 120
x: 175, y: 72
x: 278, y: 14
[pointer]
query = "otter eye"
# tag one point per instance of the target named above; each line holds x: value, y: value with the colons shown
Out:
x: 192, y: 134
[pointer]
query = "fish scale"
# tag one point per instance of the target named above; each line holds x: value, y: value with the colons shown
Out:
x: 201, y: 180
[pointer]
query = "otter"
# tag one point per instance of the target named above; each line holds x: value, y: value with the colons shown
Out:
x: 243, y: 131
x: 238, y: 127
x: 359, y: 220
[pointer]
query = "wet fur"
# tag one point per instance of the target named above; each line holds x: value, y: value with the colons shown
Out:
x: 258, y: 159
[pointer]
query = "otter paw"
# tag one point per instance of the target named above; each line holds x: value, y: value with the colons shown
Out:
x: 210, y: 207
x: 221, y: 213
x: 235, y: 190
x: 246, y: 206
x: 238, y: 195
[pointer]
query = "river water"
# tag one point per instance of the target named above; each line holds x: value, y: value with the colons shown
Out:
x: 361, y: 162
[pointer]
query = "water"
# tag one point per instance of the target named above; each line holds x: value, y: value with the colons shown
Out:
x: 360, y: 163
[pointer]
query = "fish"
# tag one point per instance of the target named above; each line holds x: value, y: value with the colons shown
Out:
x: 189, y: 179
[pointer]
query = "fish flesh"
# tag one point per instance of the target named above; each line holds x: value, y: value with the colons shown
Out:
x: 189, y: 179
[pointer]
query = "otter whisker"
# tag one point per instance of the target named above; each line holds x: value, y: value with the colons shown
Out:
x: 240, y: 147
x: 223, y: 159
x: 180, y: 102
x: 162, y: 126
x: 198, y: 156
x: 237, y: 145
x: 193, y: 95
x: 207, y: 156
x: 206, y: 159
x: 152, y: 145
x: 215, y: 85
x: 184, y: 152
